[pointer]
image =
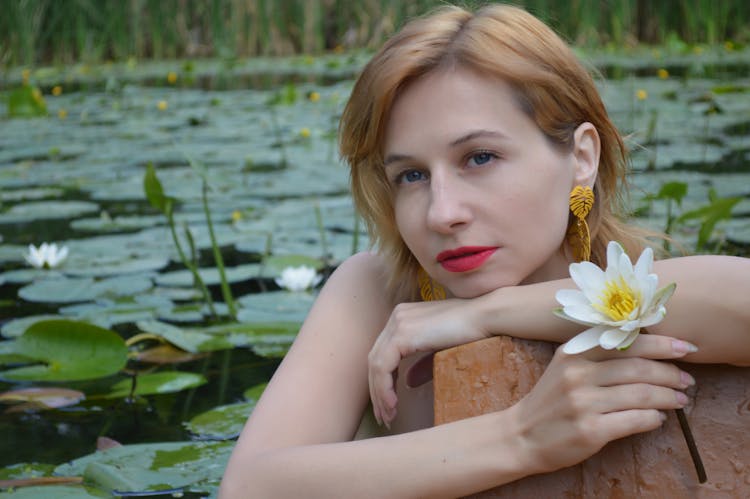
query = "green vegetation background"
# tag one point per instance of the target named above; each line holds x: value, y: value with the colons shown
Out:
x: 34, y: 32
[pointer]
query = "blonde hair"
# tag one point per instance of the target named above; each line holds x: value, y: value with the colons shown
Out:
x: 551, y: 86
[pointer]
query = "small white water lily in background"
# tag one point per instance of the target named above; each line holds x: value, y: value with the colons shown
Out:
x: 298, y: 278
x: 616, y: 302
x: 47, y: 256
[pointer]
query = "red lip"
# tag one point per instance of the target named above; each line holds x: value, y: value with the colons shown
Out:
x: 465, y: 258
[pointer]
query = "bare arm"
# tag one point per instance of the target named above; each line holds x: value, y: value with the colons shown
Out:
x: 296, y: 442
x: 710, y: 309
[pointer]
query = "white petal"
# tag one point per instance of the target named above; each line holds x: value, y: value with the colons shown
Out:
x: 585, y: 315
x: 632, y: 325
x: 644, y: 264
x: 589, y: 278
x: 629, y: 339
x: 654, y: 318
x: 614, y: 250
x: 612, y: 338
x: 570, y: 297
x: 584, y: 341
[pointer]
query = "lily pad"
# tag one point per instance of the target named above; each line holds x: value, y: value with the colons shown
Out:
x: 41, y: 398
x: 69, y: 351
x: 154, y: 384
x: 17, y: 327
x: 46, y: 210
x: 71, y: 290
x: 210, y: 276
x: 196, y: 466
x: 275, y: 306
x: 226, y: 421
x: 189, y: 340
x: 221, y: 423
x: 56, y: 491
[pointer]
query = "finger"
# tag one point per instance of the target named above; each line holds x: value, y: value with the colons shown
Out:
x: 621, y: 424
x: 637, y: 396
x: 382, y: 365
x: 650, y: 346
x: 639, y: 370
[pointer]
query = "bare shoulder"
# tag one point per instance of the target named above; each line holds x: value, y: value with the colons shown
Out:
x: 324, y: 375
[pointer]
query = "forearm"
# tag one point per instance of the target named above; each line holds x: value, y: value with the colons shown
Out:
x: 450, y: 460
x: 710, y: 308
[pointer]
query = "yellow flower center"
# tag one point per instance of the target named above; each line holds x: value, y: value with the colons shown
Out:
x: 618, y: 300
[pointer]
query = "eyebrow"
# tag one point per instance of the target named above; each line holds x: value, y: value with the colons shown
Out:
x: 394, y: 158
x: 475, y: 134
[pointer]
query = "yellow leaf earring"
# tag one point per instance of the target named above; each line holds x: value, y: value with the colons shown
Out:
x: 581, y: 200
x: 429, y: 290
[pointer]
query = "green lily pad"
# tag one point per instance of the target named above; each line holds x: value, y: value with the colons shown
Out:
x: 46, y: 210
x: 154, y: 384
x: 221, y: 423
x: 226, y: 421
x: 70, y: 351
x: 112, y: 266
x: 254, y: 392
x: 16, y: 327
x: 277, y: 263
x: 71, y: 290
x: 197, y: 466
x: 275, y: 306
x: 56, y: 491
x: 210, y: 276
x: 189, y: 340
x: 26, y: 470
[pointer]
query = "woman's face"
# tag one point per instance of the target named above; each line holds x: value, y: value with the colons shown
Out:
x: 480, y: 195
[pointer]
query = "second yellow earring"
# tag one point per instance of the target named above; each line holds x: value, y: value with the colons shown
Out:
x: 581, y: 201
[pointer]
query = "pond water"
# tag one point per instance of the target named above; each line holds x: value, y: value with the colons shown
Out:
x: 278, y: 195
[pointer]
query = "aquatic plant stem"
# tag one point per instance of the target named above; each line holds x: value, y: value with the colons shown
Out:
x: 322, y: 231
x: 192, y: 268
x: 225, y: 289
x: 688, y: 434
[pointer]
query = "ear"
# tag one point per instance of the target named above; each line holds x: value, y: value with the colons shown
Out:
x: 586, y: 148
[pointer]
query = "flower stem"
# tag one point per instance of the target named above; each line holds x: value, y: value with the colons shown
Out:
x: 688, y: 434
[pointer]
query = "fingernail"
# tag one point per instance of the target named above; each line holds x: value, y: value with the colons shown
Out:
x: 680, y: 346
x: 662, y: 416
x: 682, y: 399
x: 686, y: 379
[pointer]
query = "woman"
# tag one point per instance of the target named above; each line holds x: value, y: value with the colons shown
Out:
x: 466, y: 134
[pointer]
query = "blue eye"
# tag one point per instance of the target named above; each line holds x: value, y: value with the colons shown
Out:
x: 410, y: 176
x: 481, y: 158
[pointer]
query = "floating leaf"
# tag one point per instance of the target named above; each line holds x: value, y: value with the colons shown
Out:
x: 210, y: 276
x: 165, y: 354
x: 189, y: 340
x: 70, y: 351
x: 221, y: 423
x: 154, y: 466
x: 17, y: 327
x: 154, y: 384
x: 71, y: 290
x: 56, y: 491
x: 277, y: 263
x: 41, y: 398
x: 44, y: 210
x: 276, y: 306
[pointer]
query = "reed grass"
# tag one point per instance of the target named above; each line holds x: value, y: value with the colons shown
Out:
x: 36, y: 32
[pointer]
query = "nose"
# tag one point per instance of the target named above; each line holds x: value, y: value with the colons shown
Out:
x: 448, y: 209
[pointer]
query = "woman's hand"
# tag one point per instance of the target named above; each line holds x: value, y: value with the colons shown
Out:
x: 413, y: 328
x: 586, y: 400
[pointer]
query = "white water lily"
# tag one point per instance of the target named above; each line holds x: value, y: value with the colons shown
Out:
x: 298, y: 278
x: 617, y: 302
x: 47, y: 256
